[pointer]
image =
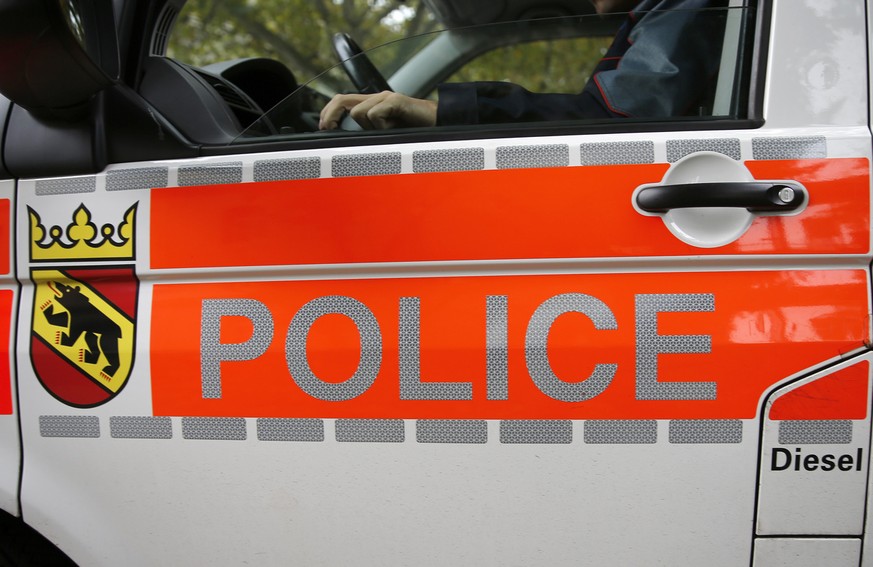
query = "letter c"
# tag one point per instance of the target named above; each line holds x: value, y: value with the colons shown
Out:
x: 536, y: 347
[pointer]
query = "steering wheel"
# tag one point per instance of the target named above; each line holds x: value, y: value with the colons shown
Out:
x: 365, y: 76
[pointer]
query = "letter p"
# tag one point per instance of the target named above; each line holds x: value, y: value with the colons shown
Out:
x: 213, y: 352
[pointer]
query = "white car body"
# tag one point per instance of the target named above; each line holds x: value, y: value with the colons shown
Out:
x: 216, y: 454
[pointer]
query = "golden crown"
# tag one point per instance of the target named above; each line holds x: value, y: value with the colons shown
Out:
x: 81, y: 240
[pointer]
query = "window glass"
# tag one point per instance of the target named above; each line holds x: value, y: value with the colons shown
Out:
x: 297, y: 33
x: 561, y: 65
x: 554, y: 56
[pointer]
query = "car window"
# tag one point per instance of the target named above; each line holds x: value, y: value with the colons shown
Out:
x: 218, y: 40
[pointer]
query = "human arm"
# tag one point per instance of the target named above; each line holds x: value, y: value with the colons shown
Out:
x: 378, y: 111
x: 501, y: 102
x: 660, y: 64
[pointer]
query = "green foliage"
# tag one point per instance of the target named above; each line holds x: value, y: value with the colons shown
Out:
x: 296, y: 32
x: 556, y: 66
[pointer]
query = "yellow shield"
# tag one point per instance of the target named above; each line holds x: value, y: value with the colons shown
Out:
x: 83, y: 331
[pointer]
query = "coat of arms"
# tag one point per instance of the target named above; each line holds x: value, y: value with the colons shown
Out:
x: 85, y: 296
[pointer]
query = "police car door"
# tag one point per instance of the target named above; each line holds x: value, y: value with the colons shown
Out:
x: 9, y: 431
x: 623, y: 346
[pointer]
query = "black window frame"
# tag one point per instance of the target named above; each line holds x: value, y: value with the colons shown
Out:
x: 121, y: 127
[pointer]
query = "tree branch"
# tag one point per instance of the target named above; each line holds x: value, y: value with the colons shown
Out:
x: 301, y: 61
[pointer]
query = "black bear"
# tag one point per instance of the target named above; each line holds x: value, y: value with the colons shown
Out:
x: 101, y: 332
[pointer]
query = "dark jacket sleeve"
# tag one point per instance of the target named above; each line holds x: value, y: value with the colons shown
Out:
x: 661, y: 64
x: 497, y: 102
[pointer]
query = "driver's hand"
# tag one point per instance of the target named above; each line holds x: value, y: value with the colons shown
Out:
x: 378, y: 111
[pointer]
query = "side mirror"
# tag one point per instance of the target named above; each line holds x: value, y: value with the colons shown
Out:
x: 56, y: 54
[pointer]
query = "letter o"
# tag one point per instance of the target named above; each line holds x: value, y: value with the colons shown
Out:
x: 371, y: 348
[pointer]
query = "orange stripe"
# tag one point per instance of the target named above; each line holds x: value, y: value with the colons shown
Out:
x: 6, y: 297
x: 841, y: 395
x: 5, y: 232
x: 765, y: 327
x: 571, y: 212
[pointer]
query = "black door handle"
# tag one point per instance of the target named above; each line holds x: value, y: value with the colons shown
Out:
x: 754, y: 196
